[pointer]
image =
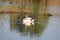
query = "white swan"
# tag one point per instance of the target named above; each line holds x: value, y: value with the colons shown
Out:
x: 28, y: 21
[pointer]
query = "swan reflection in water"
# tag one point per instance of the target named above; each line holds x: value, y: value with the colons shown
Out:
x: 28, y: 21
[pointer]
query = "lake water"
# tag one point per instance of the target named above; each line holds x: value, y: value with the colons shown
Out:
x: 45, y: 28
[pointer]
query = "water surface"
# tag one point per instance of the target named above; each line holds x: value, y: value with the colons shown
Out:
x: 45, y: 28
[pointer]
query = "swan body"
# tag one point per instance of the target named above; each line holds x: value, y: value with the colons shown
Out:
x: 28, y: 21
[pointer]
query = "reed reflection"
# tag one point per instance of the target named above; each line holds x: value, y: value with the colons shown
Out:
x: 25, y: 29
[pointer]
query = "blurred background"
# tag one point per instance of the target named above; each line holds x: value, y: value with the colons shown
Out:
x: 29, y: 19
